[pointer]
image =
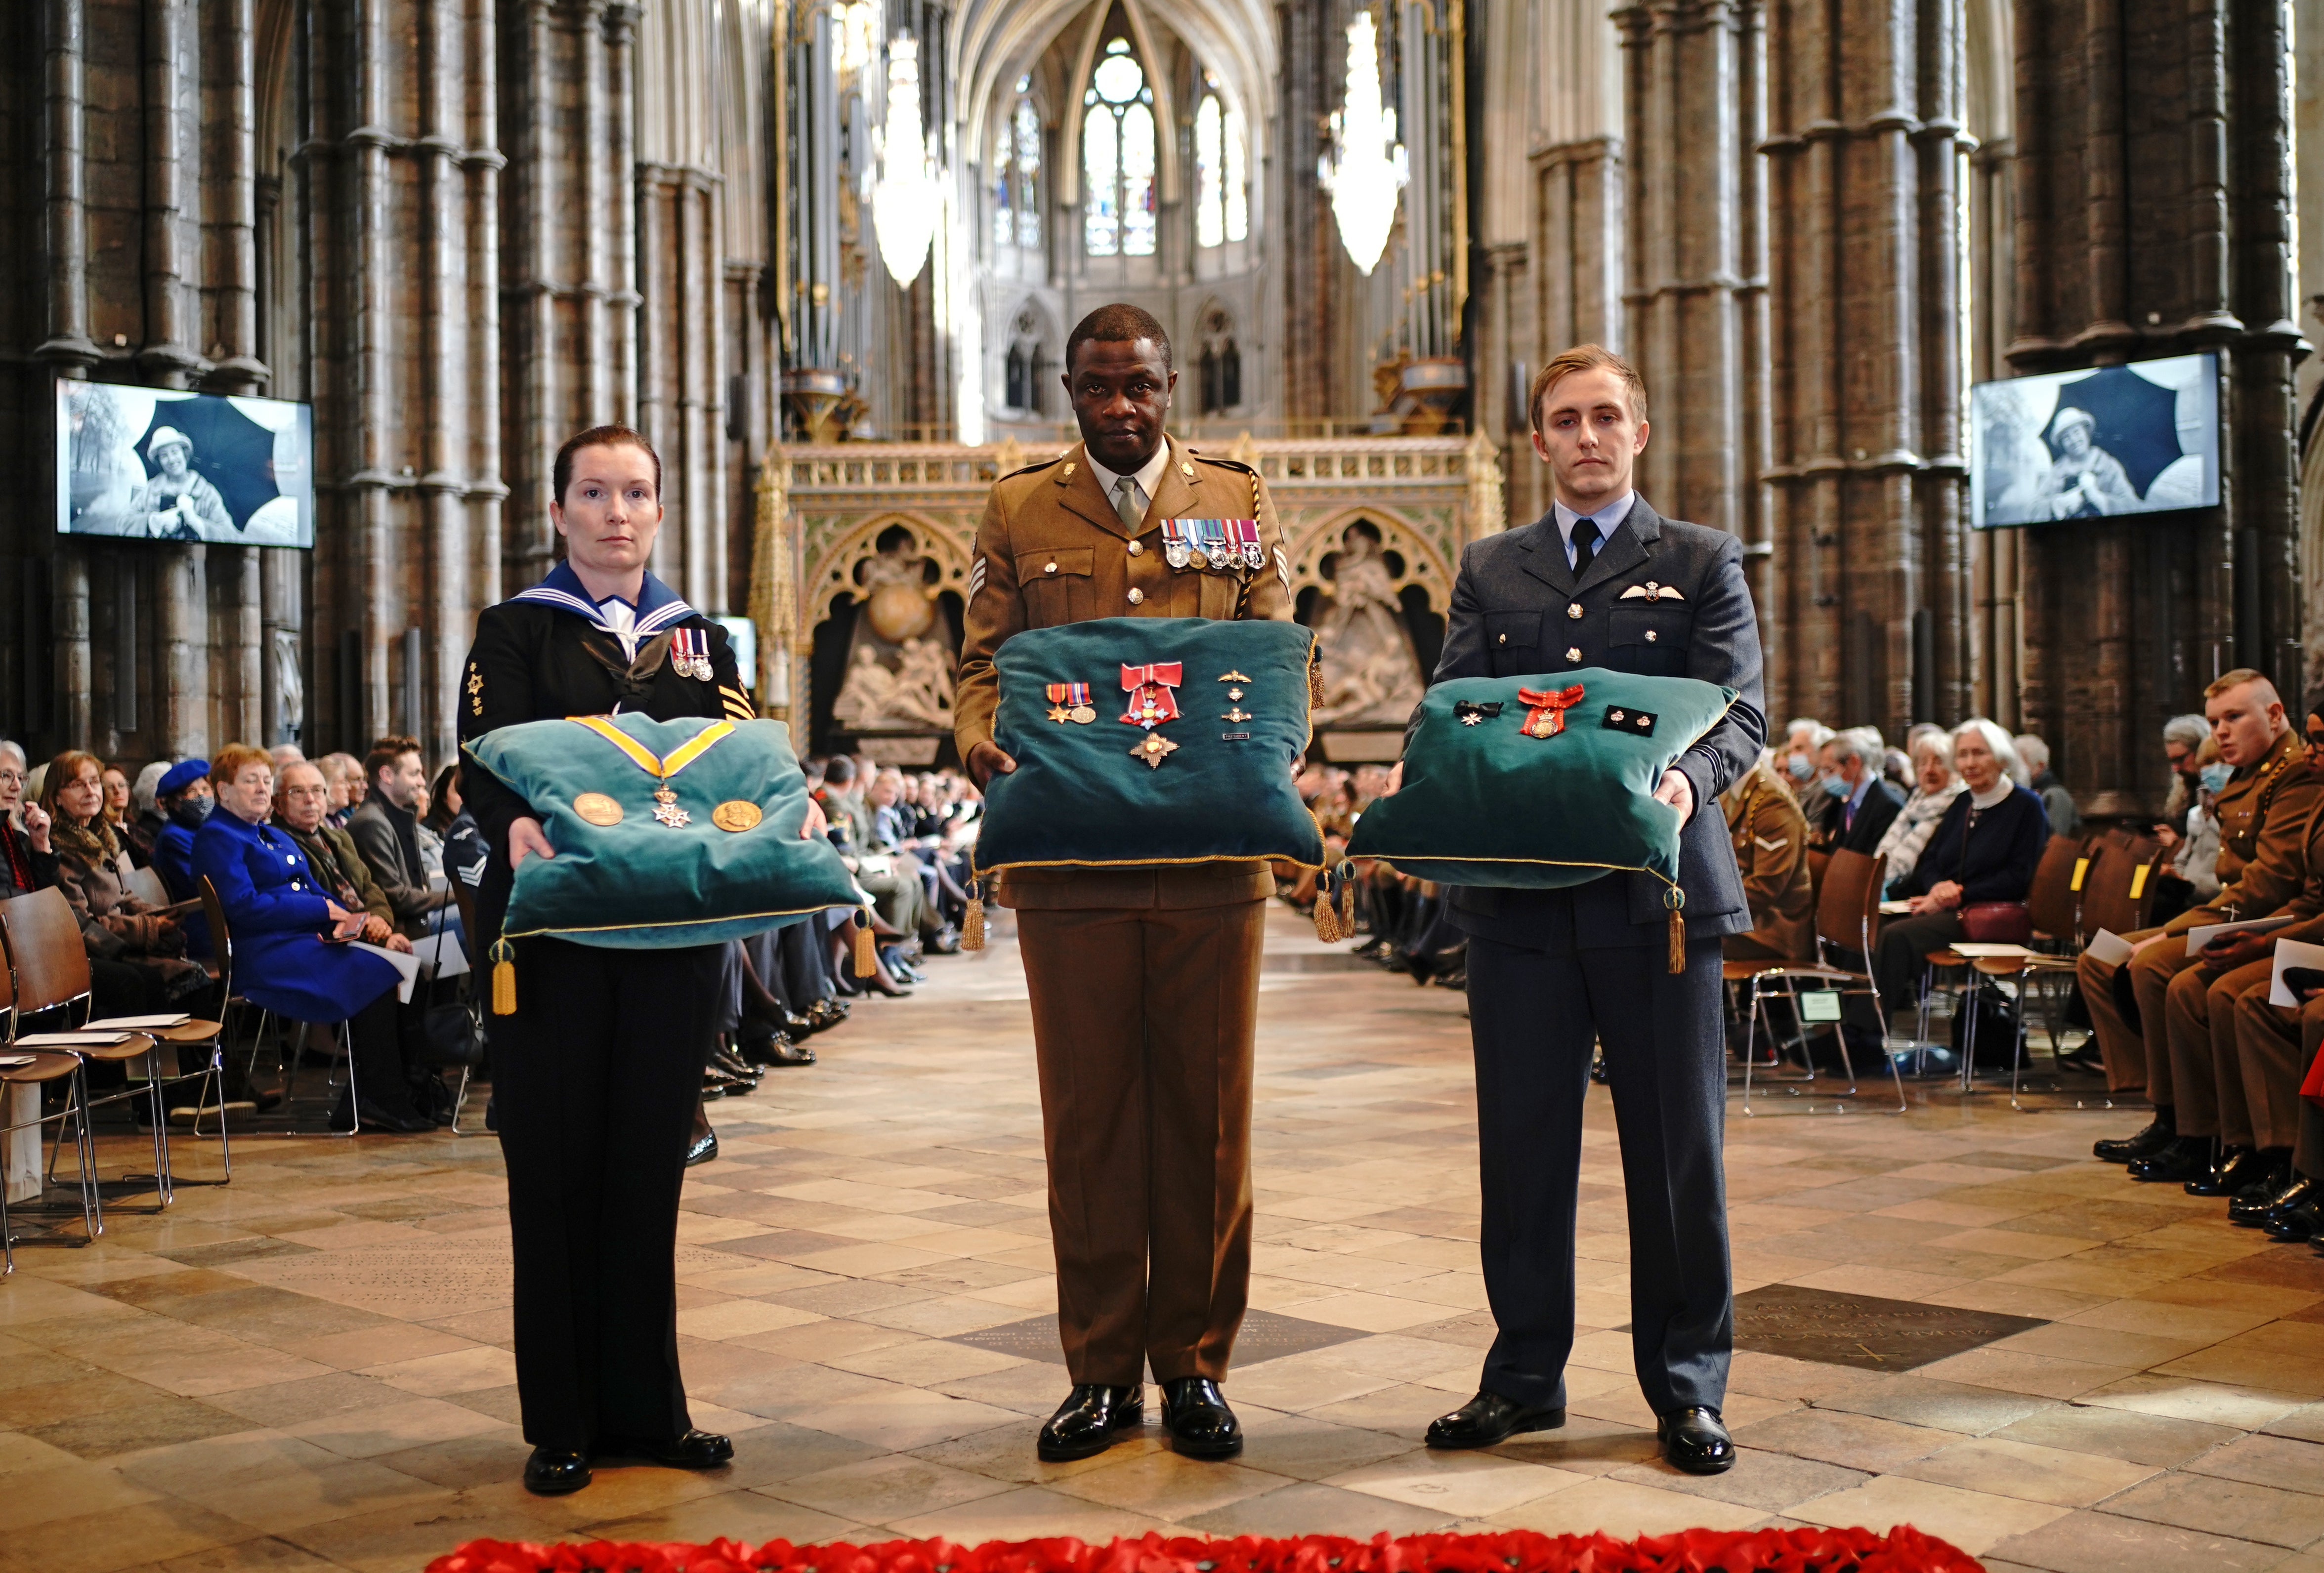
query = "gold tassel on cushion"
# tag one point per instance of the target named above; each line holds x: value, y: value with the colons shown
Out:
x: 972, y: 925
x: 1675, y: 899
x: 504, y: 977
x: 1315, y: 680
x: 1327, y: 915
x: 867, y: 954
x: 1347, y: 903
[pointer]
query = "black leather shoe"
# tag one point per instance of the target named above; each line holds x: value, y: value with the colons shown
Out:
x: 2235, y: 1168
x: 703, y: 1151
x: 1696, y: 1441
x: 2300, y: 1221
x: 2254, y: 1211
x: 777, y: 1049
x: 549, y: 1473
x: 694, y: 1450
x: 2186, y: 1158
x: 2144, y: 1145
x: 1489, y: 1418
x: 1090, y: 1420
x: 1201, y: 1424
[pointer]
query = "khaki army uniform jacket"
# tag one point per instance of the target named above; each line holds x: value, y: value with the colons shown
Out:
x: 1771, y: 850
x: 1051, y: 550
x: 2263, y: 814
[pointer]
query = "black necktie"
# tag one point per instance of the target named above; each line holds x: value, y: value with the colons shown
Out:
x: 1585, y: 545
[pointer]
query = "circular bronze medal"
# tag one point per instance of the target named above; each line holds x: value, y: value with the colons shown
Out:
x: 734, y: 815
x: 597, y: 808
x: 1083, y: 715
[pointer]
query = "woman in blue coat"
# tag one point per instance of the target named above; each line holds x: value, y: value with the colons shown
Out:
x: 280, y: 917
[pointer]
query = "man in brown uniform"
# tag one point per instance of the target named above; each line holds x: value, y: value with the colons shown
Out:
x: 2215, y: 1099
x: 1144, y: 980
x: 2263, y: 835
x: 2278, y: 1045
x: 1771, y: 848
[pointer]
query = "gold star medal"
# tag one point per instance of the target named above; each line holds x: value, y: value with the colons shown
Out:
x: 1154, y: 748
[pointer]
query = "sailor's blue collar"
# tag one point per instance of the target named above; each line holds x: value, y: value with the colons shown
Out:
x: 659, y: 606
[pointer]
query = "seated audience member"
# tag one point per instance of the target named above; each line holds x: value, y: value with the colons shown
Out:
x: 1896, y: 769
x: 287, y: 955
x: 301, y: 806
x: 2190, y: 827
x: 1771, y: 849
x: 2226, y: 1137
x: 139, y: 952
x: 1983, y: 850
x: 2184, y: 737
x: 183, y: 794
x: 145, y: 818
x: 466, y: 849
x: 1863, y: 805
x: 1934, y: 788
x: 1804, y: 741
x: 2065, y: 819
x: 345, y: 773
x: 282, y: 754
x: 2264, y: 810
x: 30, y: 855
x: 386, y: 829
x: 116, y: 782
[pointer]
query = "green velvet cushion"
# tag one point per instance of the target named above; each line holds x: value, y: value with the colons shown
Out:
x: 1487, y: 803
x: 639, y: 884
x: 1078, y: 796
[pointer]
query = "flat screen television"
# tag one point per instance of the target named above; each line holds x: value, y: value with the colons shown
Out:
x: 156, y: 463
x: 2140, y: 439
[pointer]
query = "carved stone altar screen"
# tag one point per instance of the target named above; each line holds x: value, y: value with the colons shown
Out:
x: 826, y: 511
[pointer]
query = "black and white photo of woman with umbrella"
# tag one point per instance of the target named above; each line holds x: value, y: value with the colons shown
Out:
x: 2084, y: 479
x: 181, y: 504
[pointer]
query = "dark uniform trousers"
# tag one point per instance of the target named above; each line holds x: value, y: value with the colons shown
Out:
x: 596, y: 1080
x: 1665, y: 1065
x: 1143, y: 1021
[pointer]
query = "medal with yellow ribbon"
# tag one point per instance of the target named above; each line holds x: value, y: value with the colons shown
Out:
x: 661, y: 768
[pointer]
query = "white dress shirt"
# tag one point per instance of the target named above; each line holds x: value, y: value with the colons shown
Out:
x: 1148, y: 478
x: 1607, y: 518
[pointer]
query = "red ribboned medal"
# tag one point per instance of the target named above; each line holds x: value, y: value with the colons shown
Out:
x: 1547, y: 712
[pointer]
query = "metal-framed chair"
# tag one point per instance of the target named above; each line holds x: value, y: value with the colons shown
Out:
x: 47, y: 963
x: 1846, y: 917
x: 471, y: 999
x: 237, y: 1007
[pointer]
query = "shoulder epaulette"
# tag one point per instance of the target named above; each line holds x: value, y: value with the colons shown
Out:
x: 1222, y: 463
x: 1029, y: 469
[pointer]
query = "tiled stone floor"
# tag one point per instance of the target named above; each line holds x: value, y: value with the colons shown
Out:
x: 310, y: 1367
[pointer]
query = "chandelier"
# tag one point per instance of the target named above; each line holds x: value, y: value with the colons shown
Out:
x: 1366, y: 167
x: 906, y: 201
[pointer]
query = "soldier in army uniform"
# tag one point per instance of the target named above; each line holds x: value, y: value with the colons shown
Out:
x: 1771, y: 850
x: 2263, y: 812
x: 1144, y: 980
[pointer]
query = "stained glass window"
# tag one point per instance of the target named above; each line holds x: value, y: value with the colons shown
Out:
x: 1028, y: 172
x: 1222, y: 182
x: 1118, y: 153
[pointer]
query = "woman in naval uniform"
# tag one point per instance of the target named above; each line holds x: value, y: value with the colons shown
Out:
x: 597, y: 1076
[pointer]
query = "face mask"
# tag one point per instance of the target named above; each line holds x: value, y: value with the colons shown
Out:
x: 1801, y: 766
x: 2214, y: 776
x: 1834, y: 787
x: 190, y: 812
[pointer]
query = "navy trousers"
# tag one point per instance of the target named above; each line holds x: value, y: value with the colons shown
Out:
x: 1532, y: 1016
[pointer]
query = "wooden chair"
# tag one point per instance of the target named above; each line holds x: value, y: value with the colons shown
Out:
x: 49, y: 968
x: 1847, y: 919
x: 2118, y: 890
x: 471, y: 994
x: 41, y: 1067
x: 146, y: 886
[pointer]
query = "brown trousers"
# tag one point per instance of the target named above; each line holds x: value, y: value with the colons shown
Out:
x: 2274, y: 1046
x: 2206, y: 1069
x: 2139, y: 1057
x: 1143, y: 1021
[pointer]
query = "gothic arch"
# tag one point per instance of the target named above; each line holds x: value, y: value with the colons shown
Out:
x: 1313, y: 539
x: 832, y: 572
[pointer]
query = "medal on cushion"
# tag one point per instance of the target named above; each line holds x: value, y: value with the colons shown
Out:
x: 1151, y: 697
x: 1471, y: 713
x: 1070, y: 702
x: 1546, y: 716
x: 666, y: 808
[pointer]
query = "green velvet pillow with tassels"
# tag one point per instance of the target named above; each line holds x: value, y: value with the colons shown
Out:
x: 668, y: 832
x: 1150, y: 740
x: 1541, y: 782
